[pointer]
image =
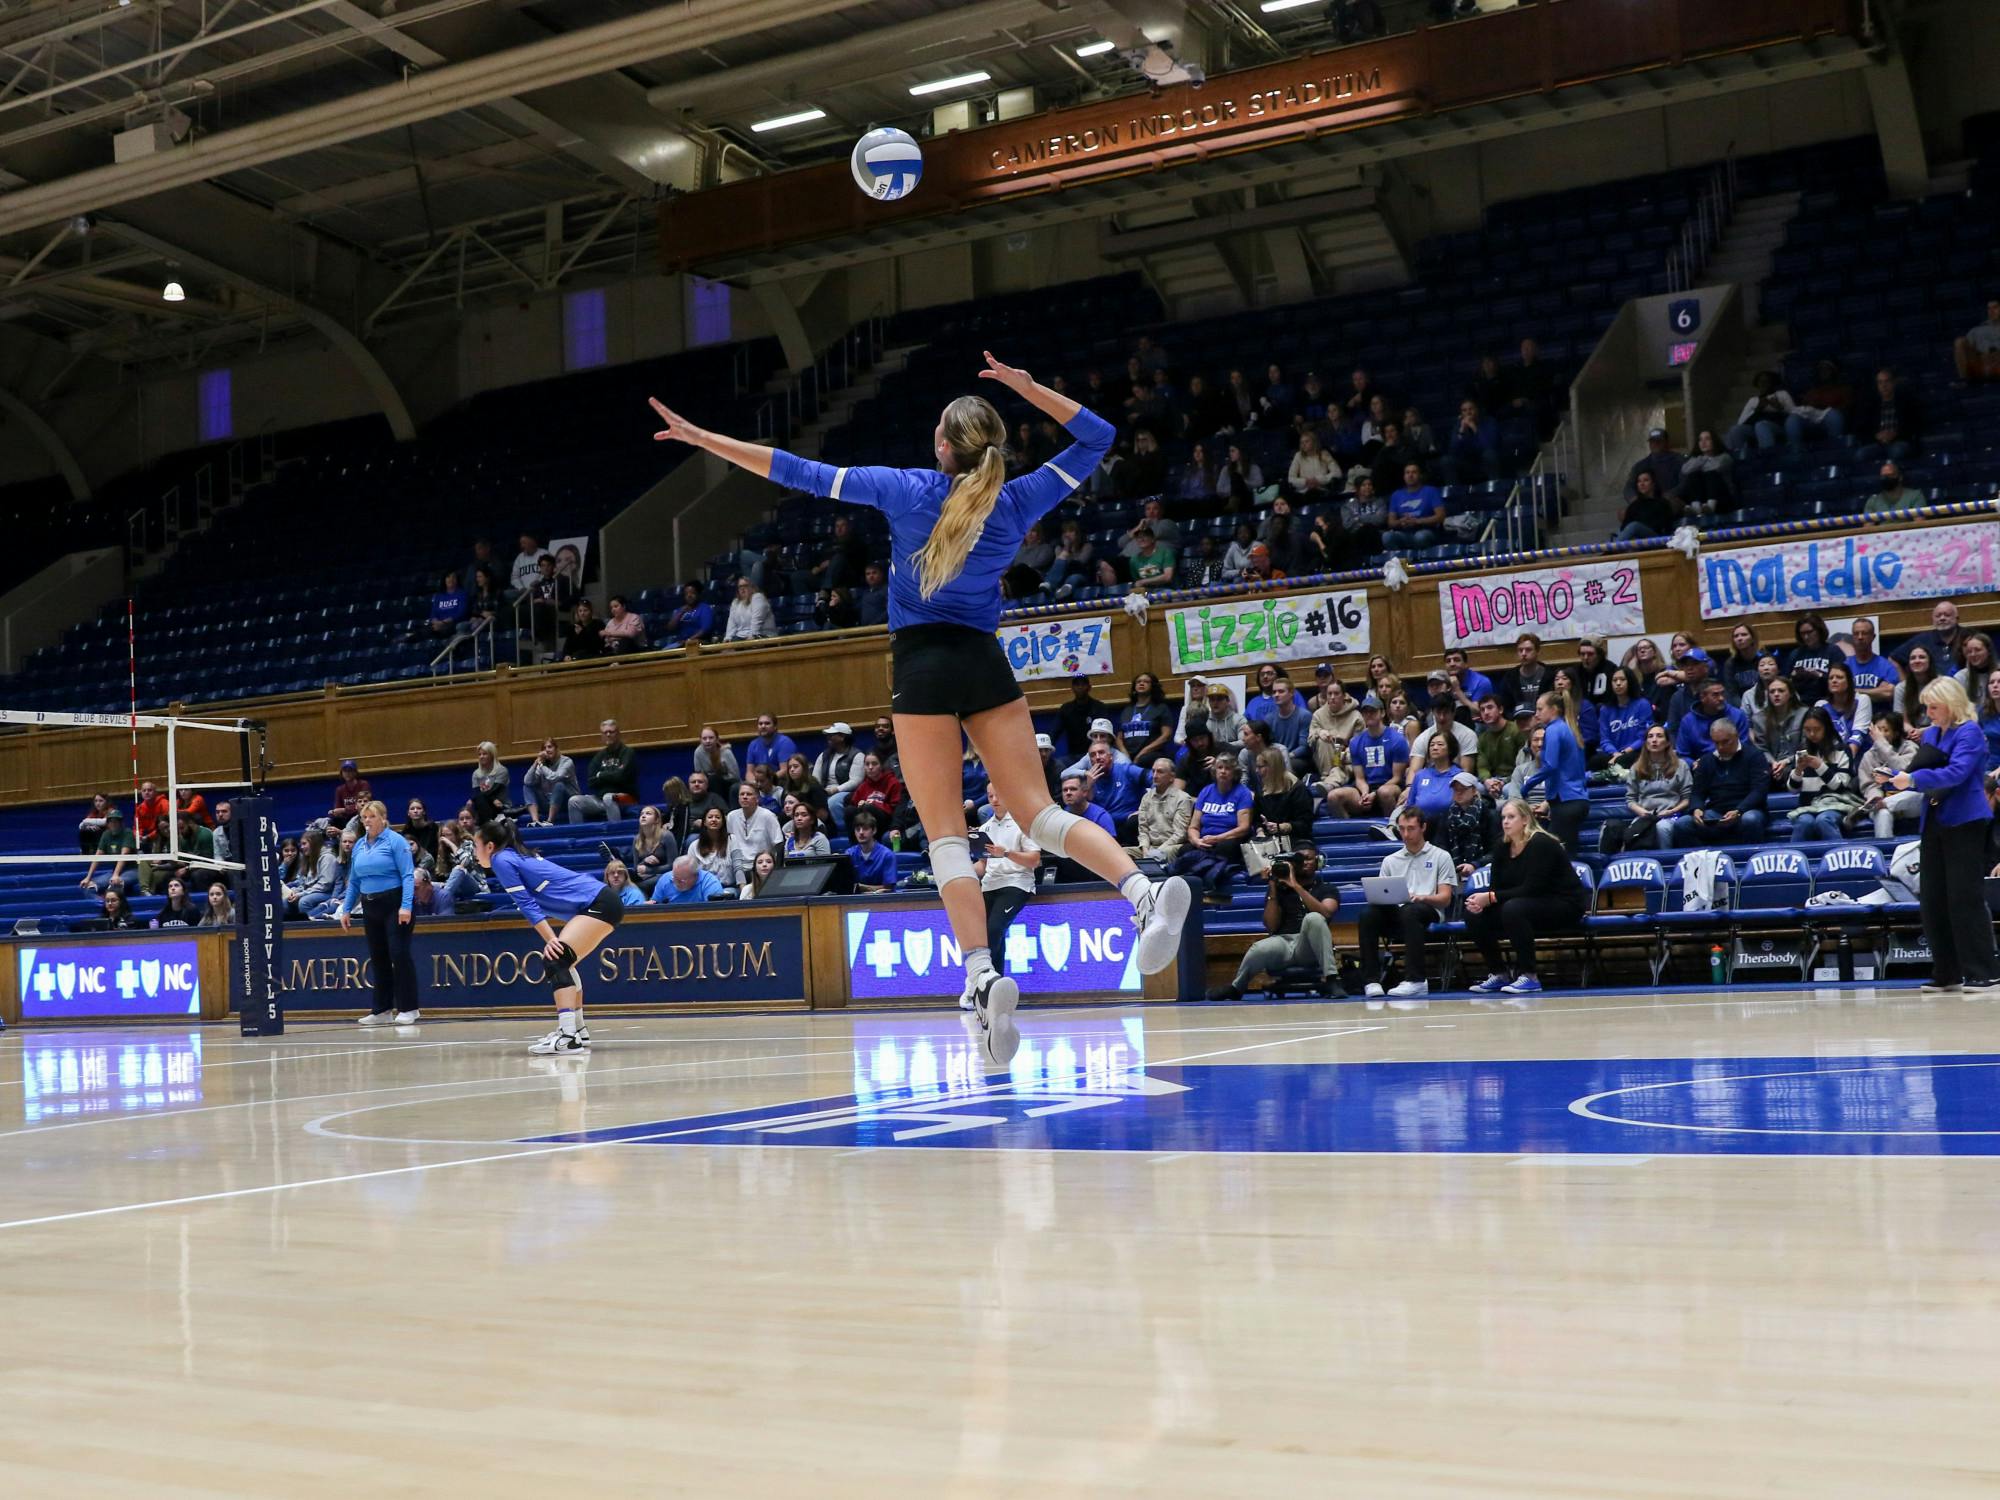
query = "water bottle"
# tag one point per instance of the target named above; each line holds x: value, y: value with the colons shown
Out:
x: 1715, y: 966
x: 1845, y: 958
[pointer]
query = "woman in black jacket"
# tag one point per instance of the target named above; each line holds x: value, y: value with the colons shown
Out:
x: 1284, y: 808
x: 1534, y: 889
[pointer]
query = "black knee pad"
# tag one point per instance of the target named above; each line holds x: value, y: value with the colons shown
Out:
x: 562, y: 972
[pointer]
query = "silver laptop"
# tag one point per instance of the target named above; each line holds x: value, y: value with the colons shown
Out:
x: 1385, y: 890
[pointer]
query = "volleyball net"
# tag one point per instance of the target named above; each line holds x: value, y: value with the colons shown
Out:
x: 252, y: 763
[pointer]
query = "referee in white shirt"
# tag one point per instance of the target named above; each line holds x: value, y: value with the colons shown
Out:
x: 1006, y: 878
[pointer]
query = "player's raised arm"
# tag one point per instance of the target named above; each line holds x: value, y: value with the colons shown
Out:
x: 678, y: 429
x: 1024, y: 385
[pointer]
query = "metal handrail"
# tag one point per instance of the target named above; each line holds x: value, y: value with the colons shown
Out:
x: 1714, y: 207
x: 449, y: 655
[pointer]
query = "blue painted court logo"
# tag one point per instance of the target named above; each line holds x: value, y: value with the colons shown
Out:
x: 1943, y: 1105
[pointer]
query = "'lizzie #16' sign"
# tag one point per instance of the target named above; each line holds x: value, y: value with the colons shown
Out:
x: 1244, y: 633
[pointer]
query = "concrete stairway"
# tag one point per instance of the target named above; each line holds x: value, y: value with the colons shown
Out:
x: 1756, y: 230
x: 839, y: 404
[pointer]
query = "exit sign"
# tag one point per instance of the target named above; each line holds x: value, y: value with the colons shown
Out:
x: 1680, y: 354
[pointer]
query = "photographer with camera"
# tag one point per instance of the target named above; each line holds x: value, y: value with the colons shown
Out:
x: 1297, y: 907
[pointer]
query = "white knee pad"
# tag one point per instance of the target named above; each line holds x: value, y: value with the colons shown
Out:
x: 951, y: 859
x: 1050, y: 829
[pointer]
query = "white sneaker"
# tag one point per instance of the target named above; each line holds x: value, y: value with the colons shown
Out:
x: 1373, y: 991
x: 558, y: 1041
x: 1411, y: 989
x: 377, y: 1018
x: 993, y: 1000
x: 408, y: 1017
x: 1159, y: 916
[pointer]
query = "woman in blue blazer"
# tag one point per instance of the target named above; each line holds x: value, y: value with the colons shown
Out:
x: 1957, y: 819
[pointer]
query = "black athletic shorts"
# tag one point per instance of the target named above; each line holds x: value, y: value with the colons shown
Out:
x: 605, y: 906
x: 949, y: 669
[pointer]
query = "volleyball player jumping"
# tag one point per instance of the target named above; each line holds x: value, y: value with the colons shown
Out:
x: 954, y: 530
x: 590, y: 910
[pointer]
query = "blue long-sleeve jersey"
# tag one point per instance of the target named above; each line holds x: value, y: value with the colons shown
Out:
x: 913, y: 499
x: 542, y: 889
x: 380, y: 864
x: 1561, y: 777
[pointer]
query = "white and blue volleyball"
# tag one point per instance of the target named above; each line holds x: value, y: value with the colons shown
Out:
x: 888, y: 164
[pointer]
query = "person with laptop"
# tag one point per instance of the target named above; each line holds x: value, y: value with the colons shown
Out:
x: 1297, y: 907
x: 1415, y: 888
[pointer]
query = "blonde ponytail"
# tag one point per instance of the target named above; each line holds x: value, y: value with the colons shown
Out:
x: 1565, y: 709
x: 976, y: 435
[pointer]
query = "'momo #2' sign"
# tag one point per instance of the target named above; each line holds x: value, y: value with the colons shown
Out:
x: 1864, y: 568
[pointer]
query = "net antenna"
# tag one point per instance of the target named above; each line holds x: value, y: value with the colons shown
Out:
x: 253, y: 760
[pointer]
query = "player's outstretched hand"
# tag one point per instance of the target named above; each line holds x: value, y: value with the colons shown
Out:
x: 678, y: 429
x: 1017, y: 381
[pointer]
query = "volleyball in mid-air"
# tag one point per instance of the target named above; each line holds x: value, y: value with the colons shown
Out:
x: 888, y: 164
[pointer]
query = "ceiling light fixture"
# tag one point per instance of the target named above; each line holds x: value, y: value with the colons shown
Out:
x: 1094, y: 49
x: 173, y: 292
x: 803, y: 117
x: 938, y: 86
x: 1273, y: 5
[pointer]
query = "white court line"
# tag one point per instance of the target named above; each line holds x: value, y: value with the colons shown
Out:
x: 280, y: 1187
x: 436, y: 1166
x: 402, y: 1088
x: 1287, y: 1041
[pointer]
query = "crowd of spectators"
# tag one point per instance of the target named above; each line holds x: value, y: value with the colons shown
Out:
x: 1698, y: 741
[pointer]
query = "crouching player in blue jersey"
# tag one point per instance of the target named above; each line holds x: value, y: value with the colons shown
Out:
x: 954, y: 529
x: 590, y: 910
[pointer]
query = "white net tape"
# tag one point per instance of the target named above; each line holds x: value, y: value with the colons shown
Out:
x: 48, y: 719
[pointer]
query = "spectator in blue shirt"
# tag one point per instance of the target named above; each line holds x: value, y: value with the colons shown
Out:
x: 1562, y: 777
x: 451, y: 610
x: 1467, y: 685
x: 1416, y: 514
x: 1874, y: 676
x: 1379, y: 757
x: 1115, y: 789
x: 874, y: 865
x: 1694, y: 737
x: 1472, y: 453
x: 1076, y: 798
x: 428, y: 898
x: 1622, y: 723
x: 693, y: 620
x: 687, y: 884
x: 769, y: 748
x: 1289, y: 722
x: 381, y: 881
x: 1216, y: 832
